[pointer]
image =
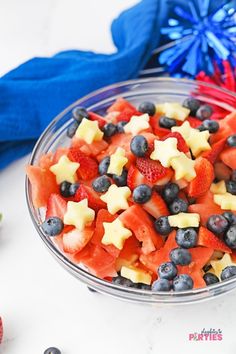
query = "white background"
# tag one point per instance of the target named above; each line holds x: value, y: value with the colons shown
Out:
x: 40, y: 303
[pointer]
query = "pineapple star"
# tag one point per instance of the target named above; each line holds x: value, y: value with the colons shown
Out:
x: 79, y: 214
x: 89, y: 131
x: 184, y: 130
x: 219, y: 265
x: 137, y: 124
x: 117, y: 162
x: 198, y: 141
x: 115, y: 233
x: 165, y: 151
x: 116, y: 198
x: 226, y: 201
x: 65, y: 170
x: 184, y: 167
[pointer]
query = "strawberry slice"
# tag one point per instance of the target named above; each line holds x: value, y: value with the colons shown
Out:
x: 1, y: 330
x: 194, y: 122
x: 222, y: 171
x: 96, y: 117
x: 156, y: 206
x: 88, y: 168
x: 228, y: 156
x: 208, y: 239
x: 135, y: 178
x: 153, y: 170
x: 203, y: 180
x: 56, y: 206
x: 181, y: 143
x: 75, y: 240
x: 216, y: 148
x: 94, y: 201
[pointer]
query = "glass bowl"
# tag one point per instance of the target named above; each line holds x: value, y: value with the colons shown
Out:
x: 158, y: 90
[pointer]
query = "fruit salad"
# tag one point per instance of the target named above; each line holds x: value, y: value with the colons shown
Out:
x: 144, y: 197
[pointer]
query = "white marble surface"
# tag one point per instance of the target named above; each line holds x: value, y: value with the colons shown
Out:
x: 40, y: 303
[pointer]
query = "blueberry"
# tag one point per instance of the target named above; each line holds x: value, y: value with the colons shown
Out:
x: 120, y: 126
x: 170, y: 192
x: 161, y: 285
x: 231, y: 187
x: 233, y: 176
x: 178, y: 206
x: 103, y: 166
x: 180, y: 256
x: 182, y: 282
x: 144, y: 286
x: 204, y: 112
x: 162, y: 225
x: 218, y: 224
x: 73, y: 188
x: 207, y: 267
x: 230, y: 217
x: 52, y: 350
x: 211, y: 125
x: 121, y: 180
x: 142, y: 194
x: 139, y: 145
x: 186, y: 238
x: 101, y: 184
x: 167, y: 123
x: 231, y: 141
x: 210, y: 278
x: 201, y: 128
x: 167, y: 271
x: 228, y: 272
x: 230, y: 237
x: 65, y: 189
x: 147, y: 107
x: 72, y: 129
x: 109, y: 129
x: 119, y: 280
x: 79, y: 113
x: 52, y: 226
x: 193, y: 104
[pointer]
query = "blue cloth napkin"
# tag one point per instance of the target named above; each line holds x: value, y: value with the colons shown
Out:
x: 35, y: 92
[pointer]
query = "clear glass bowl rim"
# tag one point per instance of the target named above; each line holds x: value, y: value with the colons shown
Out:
x: 130, y: 294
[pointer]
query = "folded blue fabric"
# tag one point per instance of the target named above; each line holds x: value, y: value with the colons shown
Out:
x: 35, y: 92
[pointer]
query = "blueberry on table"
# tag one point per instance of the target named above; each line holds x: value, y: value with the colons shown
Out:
x: 230, y: 217
x: 230, y: 237
x: 162, y: 225
x: 211, y: 125
x: 139, y: 145
x: 178, y: 206
x: 161, y: 285
x: 193, y: 104
x: 52, y: 350
x: 167, y: 271
x: 170, y: 192
x: 210, y: 278
x: 142, y: 194
x: 182, y: 282
x: 228, y: 272
x: 186, y: 238
x: 120, y: 126
x: 204, y: 112
x: 218, y: 224
x: 231, y: 141
x: 180, y: 256
x: 101, y: 184
x: 121, y: 180
x: 52, y: 226
x: 168, y: 123
x: 72, y: 129
x: 147, y: 107
x: 103, y: 166
x: 231, y: 187
x: 79, y: 113
x: 109, y: 130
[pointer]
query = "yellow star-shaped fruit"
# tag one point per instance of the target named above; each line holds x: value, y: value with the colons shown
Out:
x: 226, y: 201
x: 165, y: 151
x: 184, y: 167
x: 89, y: 131
x: 184, y: 130
x: 116, y: 198
x: 136, y: 275
x: 183, y: 220
x: 198, y: 141
x: 115, y: 234
x: 79, y: 214
x: 137, y: 124
x: 65, y: 170
x: 218, y: 188
x: 219, y: 265
x: 117, y: 162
